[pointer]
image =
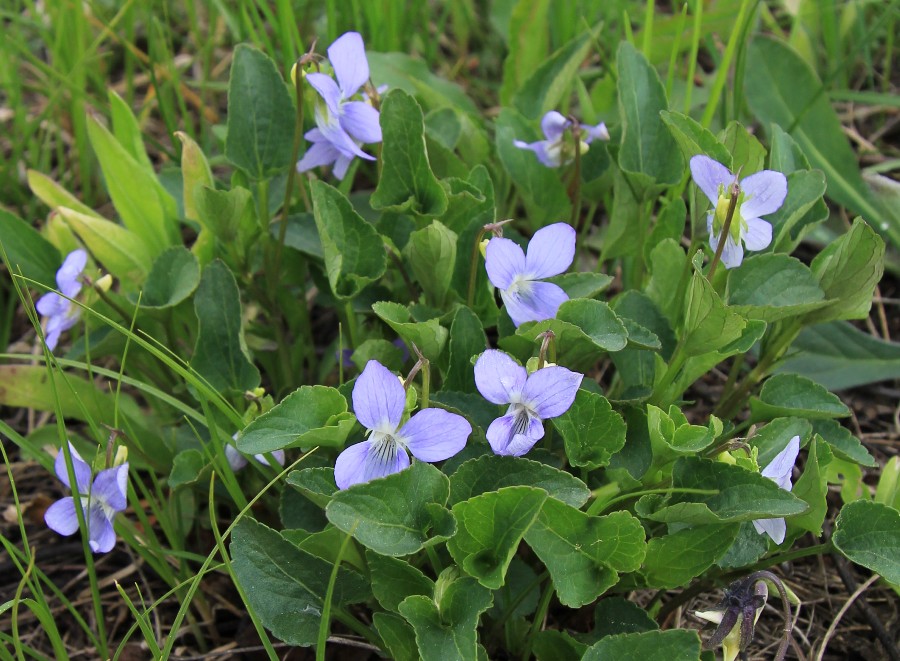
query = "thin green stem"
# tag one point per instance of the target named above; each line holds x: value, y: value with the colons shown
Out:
x: 473, y: 268
x: 325, y: 621
x: 599, y: 506
x: 676, y: 362
x: 539, y: 616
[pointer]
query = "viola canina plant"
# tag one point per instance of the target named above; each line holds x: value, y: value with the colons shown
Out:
x: 532, y: 398
x: 378, y: 402
x: 342, y: 125
x: 518, y: 275
x: 757, y: 195
x: 59, y: 312
x: 100, y: 500
x: 558, y: 146
x: 496, y: 397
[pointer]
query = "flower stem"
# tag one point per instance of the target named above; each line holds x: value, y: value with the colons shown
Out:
x: 325, y: 621
x: 599, y: 506
x: 576, y: 219
x: 473, y: 268
x: 539, y: 616
x: 732, y: 205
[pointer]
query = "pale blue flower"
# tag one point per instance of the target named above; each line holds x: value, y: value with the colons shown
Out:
x: 100, y: 500
x: 378, y: 402
x: 760, y: 194
x: 342, y: 125
x: 59, y: 312
x: 556, y: 149
x: 532, y: 398
x: 779, y: 470
x: 518, y: 275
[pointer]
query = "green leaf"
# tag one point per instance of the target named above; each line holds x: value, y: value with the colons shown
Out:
x: 144, y: 206
x: 315, y: 483
x: 709, y: 324
x: 407, y: 183
x: 591, y: 430
x: 394, y: 580
x: 173, y: 278
x: 55, y: 196
x: 309, y: 416
x: 431, y: 252
x: 694, y: 139
x: 792, y: 394
x: 195, y: 173
x: 673, y: 645
x: 466, y: 340
x: 225, y: 213
x: 446, y: 631
x: 772, y: 287
x: 398, y: 637
x: 429, y: 335
x: 552, y: 645
x: 844, y: 444
x: 782, y: 89
x: 868, y: 533
x: 582, y: 285
x: 489, y: 529
x: 386, y: 353
x: 27, y: 251
x: 647, y: 146
x: 616, y: 615
x: 812, y: 487
x: 221, y: 355
x: 803, y: 208
x: 493, y: 472
x: 584, y: 553
x: 127, y: 130
x: 398, y: 514
x: 674, y: 559
x: 774, y: 435
x: 120, y: 251
x: 260, y: 115
x: 848, y: 270
x: 285, y: 585
x: 187, y: 466
x: 747, y: 153
x: 545, y: 88
x: 542, y: 191
x: 353, y: 249
x: 838, y: 355
x: 742, y: 495
x: 528, y: 44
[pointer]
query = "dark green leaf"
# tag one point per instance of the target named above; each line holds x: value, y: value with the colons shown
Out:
x: 174, y: 276
x: 616, y: 615
x: 466, y: 340
x: 394, y: 580
x: 354, y: 252
x: 399, y: 638
x: 446, y: 631
x: 311, y: 415
x: 709, y: 324
x: 28, y: 251
x: 844, y: 444
x: 695, y: 139
x: 868, y: 533
x: 674, y: 645
x: 489, y: 529
x: 285, y: 585
x: 407, y: 183
x: 545, y: 87
x: 647, y: 146
x: 674, y: 559
x: 792, y: 394
x: 221, y: 355
x: 582, y: 285
x: 584, y: 553
x: 812, y: 487
x: 493, y: 472
x: 398, y: 514
x: 186, y: 468
x: 428, y: 336
x: 591, y: 430
x: 772, y: 287
x: 317, y: 484
x: 260, y: 115
x: 431, y: 252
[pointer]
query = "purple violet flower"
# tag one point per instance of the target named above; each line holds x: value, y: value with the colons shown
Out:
x: 60, y: 313
x: 761, y: 193
x: 100, y: 500
x: 517, y: 275
x: 341, y: 125
x: 555, y: 150
x: 779, y: 471
x: 378, y: 402
x: 532, y: 398
x: 237, y: 460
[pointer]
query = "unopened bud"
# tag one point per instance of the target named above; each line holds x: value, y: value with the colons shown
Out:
x: 104, y: 283
x: 121, y: 456
x: 483, y: 247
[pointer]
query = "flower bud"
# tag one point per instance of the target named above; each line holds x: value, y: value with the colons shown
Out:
x: 104, y: 283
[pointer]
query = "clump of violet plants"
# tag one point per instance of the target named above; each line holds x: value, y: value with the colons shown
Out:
x: 461, y: 363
